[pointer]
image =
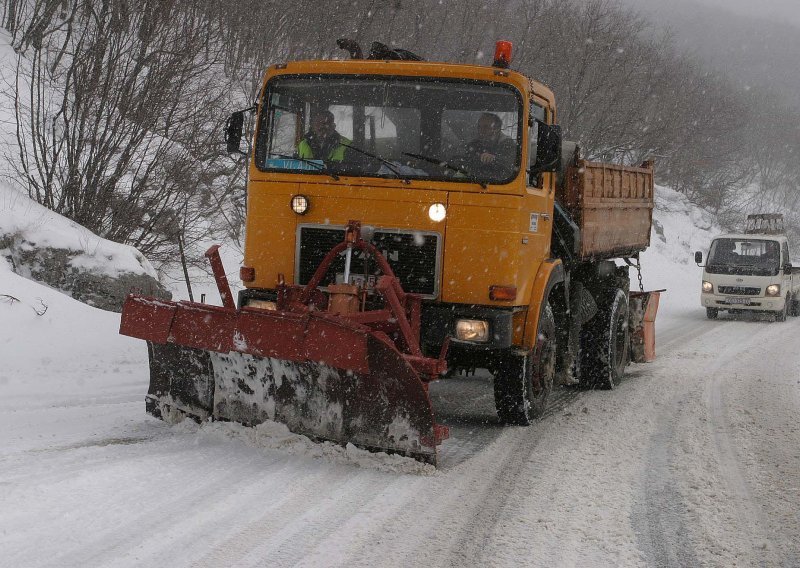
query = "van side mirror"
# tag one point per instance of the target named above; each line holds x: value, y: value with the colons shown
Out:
x: 548, y: 149
x: 698, y: 257
x: 233, y: 132
x: 787, y: 268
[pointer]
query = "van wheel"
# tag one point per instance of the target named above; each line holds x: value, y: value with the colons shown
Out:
x: 606, y: 351
x: 523, y: 380
x: 712, y: 313
x: 780, y: 315
x: 794, y: 306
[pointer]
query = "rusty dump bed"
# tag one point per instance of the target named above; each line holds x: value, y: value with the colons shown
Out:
x: 612, y: 205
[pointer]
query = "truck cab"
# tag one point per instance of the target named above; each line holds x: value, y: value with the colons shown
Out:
x: 749, y: 272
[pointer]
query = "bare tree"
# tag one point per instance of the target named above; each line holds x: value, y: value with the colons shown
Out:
x: 117, y: 123
x: 120, y: 103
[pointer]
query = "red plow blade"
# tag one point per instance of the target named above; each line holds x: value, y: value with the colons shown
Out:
x: 321, y: 375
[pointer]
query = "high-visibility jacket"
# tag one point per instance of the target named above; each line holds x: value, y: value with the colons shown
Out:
x: 335, y: 154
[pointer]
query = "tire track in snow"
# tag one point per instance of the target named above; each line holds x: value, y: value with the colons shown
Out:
x: 474, y: 537
x: 661, y: 514
x: 750, y: 513
x: 659, y: 517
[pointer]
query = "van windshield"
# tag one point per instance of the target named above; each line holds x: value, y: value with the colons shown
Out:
x: 406, y: 127
x: 754, y: 257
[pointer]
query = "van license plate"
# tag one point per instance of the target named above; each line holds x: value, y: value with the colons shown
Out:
x: 738, y: 300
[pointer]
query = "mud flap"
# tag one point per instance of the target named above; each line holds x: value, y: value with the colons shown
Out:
x: 641, y: 321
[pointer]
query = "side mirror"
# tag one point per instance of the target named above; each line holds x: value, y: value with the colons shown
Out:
x: 787, y: 268
x: 233, y: 132
x: 698, y: 257
x: 548, y: 149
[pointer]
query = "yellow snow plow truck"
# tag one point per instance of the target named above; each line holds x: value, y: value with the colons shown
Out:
x: 407, y: 219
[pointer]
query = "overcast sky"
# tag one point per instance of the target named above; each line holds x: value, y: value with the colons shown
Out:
x: 778, y: 10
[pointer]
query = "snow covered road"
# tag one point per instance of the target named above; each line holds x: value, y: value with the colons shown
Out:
x: 693, y: 460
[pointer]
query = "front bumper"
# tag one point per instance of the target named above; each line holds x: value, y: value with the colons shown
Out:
x: 743, y: 303
x: 439, y: 322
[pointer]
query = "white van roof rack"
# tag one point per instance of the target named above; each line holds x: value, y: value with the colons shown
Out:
x: 765, y: 224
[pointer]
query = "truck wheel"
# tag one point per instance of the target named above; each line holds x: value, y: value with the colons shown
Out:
x: 606, y: 351
x: 712, y: 313
x: 523, y: 380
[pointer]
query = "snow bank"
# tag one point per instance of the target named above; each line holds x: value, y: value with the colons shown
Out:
x: 34, y: 226
x: 679, y: 229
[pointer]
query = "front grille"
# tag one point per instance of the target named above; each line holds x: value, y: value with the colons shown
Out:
x: 739, y: 290
x: 414, y: 257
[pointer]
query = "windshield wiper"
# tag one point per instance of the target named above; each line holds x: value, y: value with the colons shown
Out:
x: 469, y: 176
x: 320, y: 167
x: 389, y: 165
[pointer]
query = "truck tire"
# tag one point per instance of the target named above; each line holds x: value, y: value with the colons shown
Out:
x: 517, y: 397
x: 606, y: 347
x: 712, y: 313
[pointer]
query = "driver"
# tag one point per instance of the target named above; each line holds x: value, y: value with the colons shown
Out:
x: 322, y: 141
x: 491, y: 151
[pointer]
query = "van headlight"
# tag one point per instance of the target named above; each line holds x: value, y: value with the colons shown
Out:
x: 774, y: 290
x: 472, y: 330
x: 708, y: 287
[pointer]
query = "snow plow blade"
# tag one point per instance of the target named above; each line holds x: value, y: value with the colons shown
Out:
x: 345, y: 377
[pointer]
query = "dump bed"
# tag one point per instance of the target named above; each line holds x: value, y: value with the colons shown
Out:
x: 612, y: 205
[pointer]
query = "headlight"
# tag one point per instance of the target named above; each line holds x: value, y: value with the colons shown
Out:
x: 300, y: 204
x: 262, y: 304
x: 774, y: 290
x: 472, y: 330
x: 708, y: 287
x: 437, y: 212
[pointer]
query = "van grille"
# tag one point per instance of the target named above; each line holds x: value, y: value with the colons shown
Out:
x: 739, y: 290
x: 414, y: 257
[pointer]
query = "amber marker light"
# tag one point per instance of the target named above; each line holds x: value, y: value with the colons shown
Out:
x: 497, y: 292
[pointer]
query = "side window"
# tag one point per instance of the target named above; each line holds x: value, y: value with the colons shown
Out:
x: 283, y: 137
x: 537, y: 114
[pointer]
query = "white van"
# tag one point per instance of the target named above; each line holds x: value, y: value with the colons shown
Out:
x: 749, y: 272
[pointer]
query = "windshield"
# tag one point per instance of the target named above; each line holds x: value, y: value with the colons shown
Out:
x: 390, y: 127
x: 754, y: 257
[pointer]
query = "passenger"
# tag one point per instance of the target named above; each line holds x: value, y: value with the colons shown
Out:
x: 492, y: 151
x: 322, y: 141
